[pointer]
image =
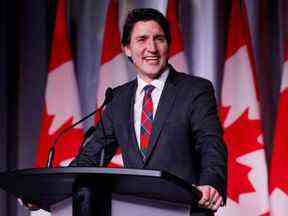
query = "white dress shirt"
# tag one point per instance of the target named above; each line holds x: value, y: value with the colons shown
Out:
x: 139, y: 96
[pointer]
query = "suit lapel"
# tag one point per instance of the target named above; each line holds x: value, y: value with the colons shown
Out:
x: 164, y: 107
x: 129, y: 117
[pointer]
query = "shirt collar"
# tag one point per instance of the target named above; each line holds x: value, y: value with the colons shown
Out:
x: 157, y: 83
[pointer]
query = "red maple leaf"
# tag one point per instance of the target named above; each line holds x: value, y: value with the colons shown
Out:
x: 67, y: 146
x: 240, y: 138
x: 279, y: 169
x: 115, y: 165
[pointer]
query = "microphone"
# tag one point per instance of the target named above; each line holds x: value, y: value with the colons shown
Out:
x: 108, y: 98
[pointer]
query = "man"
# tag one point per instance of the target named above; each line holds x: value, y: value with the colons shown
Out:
x: 164, y: 119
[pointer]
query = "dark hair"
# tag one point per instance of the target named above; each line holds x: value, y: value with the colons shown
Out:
x: 144, y: 14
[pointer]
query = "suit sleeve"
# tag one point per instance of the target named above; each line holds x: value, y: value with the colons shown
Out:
x: 210, y: 149
x: 91, y: 154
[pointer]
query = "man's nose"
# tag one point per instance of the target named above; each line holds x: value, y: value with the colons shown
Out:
x: 152, y: 47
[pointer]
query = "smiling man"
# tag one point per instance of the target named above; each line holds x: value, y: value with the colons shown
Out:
x: 163, y: 119
x: 148, y: 50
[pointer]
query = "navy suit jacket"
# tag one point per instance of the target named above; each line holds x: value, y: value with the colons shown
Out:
x: 186, y: 139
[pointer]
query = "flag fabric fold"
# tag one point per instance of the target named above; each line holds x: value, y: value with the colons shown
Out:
x: 240, y: 115
x: 113, y: 71
x: 62, y: 106
x: 278, y: 178
x: 176, y: 56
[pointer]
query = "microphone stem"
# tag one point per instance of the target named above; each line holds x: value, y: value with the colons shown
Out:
x: 88, y: 133
x: 102, y: 158
x: 108, y: 97
x: 51, y: 157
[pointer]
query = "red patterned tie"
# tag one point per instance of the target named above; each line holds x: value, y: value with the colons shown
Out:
x: 146, y: 120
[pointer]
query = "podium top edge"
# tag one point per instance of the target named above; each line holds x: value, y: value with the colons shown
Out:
x: 90, y: 170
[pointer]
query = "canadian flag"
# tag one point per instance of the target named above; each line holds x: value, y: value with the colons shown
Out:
x: 176, y: 55
x: 247, y: 171
x: 62, y: 107
x: 113, y: 71
x: 278, y: 186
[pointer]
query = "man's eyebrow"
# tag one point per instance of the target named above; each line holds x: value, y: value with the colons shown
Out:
x: 145, y: 35
x: 141, y: 36
x: 160, y: 35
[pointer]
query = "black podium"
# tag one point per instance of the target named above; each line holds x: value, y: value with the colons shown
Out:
x: 96, y: 187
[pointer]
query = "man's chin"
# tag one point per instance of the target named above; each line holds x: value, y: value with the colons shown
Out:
x: 152, y: 72
x: 155, y: 71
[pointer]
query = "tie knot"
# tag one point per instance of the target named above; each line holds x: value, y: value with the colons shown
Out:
x: 148, y: 89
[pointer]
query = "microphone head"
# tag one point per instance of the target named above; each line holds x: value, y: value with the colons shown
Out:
x: 108, y: 95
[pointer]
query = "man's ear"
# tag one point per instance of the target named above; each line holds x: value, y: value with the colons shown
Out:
x: 127, y: 51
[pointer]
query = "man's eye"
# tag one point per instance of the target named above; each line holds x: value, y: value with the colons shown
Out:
x: 141, y: 39
x: 161, y: 39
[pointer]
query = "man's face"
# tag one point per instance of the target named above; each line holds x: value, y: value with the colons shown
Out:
x: 148, y: 49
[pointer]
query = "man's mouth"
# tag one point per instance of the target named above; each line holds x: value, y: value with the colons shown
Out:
x: 152, y: 59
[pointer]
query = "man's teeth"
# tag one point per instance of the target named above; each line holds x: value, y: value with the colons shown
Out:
x: 151, y: 58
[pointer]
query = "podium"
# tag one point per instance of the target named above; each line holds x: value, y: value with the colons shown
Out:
x: 102, y: 191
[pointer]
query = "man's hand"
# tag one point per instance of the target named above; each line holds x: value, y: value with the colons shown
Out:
x: 211, y: 199
x: 29, y: 206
